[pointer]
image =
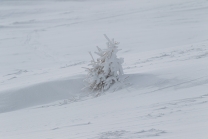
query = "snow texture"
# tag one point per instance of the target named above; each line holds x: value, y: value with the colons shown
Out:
x: 45, y: 44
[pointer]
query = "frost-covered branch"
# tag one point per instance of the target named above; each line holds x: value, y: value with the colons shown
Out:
x: 106, y: 69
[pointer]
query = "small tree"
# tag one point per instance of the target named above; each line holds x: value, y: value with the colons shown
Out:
x: 106, y: 70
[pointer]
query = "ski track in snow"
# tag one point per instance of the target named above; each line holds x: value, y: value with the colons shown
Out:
x: 45, y: 44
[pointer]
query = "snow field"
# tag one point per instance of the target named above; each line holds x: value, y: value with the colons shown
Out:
x: 45, y: 44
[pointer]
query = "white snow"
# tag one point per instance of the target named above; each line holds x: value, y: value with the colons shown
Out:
x: 45, y: 44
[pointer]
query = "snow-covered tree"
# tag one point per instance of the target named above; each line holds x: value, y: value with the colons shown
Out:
x: 106, y: 69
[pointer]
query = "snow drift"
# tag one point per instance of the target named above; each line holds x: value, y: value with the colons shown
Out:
x: 41, y: 93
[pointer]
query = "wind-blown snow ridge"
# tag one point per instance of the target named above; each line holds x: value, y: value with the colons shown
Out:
x: 41, y: 93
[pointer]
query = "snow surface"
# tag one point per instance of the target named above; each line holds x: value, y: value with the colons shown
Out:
x: 45, y: 44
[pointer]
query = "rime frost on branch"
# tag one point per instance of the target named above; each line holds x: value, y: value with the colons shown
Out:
x: 106, y: 70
